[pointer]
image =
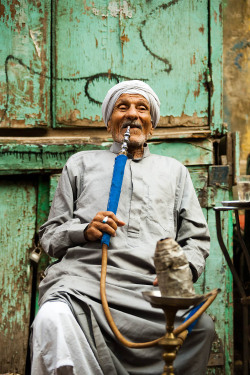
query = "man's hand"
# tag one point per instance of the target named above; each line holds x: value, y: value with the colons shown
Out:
x: 96, y: 227
x: 155, y: 282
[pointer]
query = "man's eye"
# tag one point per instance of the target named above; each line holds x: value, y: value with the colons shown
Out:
x: 142, y: 108
x: 122, y: 107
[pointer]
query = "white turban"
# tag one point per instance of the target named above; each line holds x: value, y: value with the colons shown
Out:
x: 131, y: 87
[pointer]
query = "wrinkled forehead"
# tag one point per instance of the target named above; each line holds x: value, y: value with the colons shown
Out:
x: 132, y: 98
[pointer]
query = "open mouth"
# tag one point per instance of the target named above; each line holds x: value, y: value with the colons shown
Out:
x: 132, y: 126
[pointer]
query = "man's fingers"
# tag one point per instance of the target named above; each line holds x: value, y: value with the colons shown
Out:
x: 110, y: 222
x: 155, y: 282
x: 112, y: 216
x: 120, y: 223
x: 96, y: 228
x: 104, y: 221
x: 108, y: 229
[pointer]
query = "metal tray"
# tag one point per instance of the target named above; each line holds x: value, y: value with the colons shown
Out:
x: 237, y: 204
x: 157, y: 300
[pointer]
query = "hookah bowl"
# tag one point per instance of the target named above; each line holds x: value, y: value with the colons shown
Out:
x: 170, y: 305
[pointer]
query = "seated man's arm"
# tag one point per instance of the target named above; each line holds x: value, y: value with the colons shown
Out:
x: 62, y: 230
x: 192, y: 229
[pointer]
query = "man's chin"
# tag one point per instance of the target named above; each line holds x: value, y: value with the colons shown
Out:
x: 134, y: 141
x: 137, y: 141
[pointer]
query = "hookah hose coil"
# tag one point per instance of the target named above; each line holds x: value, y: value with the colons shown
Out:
x: 180, y: 331
x: 114, y: 196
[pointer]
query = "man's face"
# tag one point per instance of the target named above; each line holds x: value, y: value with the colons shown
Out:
x: 133, y: 110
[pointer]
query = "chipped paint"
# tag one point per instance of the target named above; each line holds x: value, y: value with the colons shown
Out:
x: 97, y: 44
x: 114, y: 9
x: 38, y: 155
x: 120, y: 44
x: 95, y: 85
x: 17, y: 227
x: 2, y: 10
x: 201, y: 29
x: 25, y: 95
x: 215, y: 69
x: 35, y: 35
x: 13, y: 5
x: 192, y: 60
x: 124, y: 39
x: 184, y: 121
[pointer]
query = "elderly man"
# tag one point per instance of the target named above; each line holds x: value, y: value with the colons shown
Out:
x: 70, y: 332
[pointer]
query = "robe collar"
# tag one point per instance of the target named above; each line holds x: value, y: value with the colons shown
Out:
x: 116, y: 147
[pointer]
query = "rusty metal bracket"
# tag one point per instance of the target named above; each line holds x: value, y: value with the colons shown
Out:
x: 225, y: 157
x: 219, y: 176
x: 216, y: 359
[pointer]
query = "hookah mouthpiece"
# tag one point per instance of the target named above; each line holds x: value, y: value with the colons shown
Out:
x: 125, y: 143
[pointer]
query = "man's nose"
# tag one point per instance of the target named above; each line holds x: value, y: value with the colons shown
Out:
x: 132, y: 112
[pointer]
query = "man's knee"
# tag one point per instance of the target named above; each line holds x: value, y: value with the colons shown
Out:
x: 205, y: 323
x: 50, y: 317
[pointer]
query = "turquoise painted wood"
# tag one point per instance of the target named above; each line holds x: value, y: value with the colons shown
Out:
x: 215, y: 68
x: 25, y: 63
x: 34, y: 158
x: 100, y: 43
x: 216, y: 274
x: 96, y: 44
x: 17, y: 231
x: 57, y: 60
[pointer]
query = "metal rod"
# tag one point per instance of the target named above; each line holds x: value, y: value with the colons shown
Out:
x: 226, y: 255
x: 245, y: 339
x: 237, y: 281
x: 243, y: 246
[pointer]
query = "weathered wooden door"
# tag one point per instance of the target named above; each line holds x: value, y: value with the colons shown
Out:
x: 57, y: 61
x: 18, y: 226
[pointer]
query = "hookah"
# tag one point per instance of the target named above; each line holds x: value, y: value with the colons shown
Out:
x: 163, y: 298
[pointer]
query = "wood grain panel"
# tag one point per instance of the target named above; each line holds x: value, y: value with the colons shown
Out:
x: 25, y: 63
x: 17, y: 229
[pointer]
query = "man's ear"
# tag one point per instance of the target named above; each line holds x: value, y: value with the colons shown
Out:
x: 109, y: 127
x: 152, y: 128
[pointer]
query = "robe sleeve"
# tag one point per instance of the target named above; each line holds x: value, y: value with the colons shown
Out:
x: 192, y: 229
x: 63, y: 230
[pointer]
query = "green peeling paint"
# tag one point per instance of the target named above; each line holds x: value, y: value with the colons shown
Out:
x: 25, y: 63
x: 17, y: 227
x: 57, y: 60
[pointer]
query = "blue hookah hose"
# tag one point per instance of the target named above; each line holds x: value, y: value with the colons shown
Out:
x: 192, y: 312
x: 117, y: 178
x: 115, y: 190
